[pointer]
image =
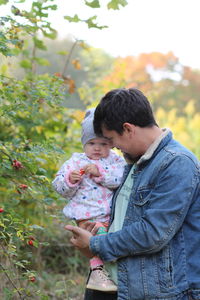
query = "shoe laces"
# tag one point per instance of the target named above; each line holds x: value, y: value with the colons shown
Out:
x: 103, y: 274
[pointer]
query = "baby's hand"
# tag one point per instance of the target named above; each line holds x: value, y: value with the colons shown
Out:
x: 74, y: 177
x: 92, y: 169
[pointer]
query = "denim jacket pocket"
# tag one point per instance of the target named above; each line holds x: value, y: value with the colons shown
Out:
x: 142, y: 196
x: 164, y: 268
x: 139, y: 202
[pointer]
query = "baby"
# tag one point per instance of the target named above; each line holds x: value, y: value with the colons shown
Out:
x: 87, y: 180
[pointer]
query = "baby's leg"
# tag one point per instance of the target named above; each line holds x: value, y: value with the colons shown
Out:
x: 99, y: 278
x: 102, y: 228
x: 96, y: 262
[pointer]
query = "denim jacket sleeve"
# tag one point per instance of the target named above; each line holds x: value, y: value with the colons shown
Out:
x: 165, y: 208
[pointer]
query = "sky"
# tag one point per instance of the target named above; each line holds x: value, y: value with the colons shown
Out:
x: 143, y: 26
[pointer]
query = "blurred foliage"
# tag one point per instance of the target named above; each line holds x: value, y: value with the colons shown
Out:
x: 45, y: 86
x: 78, y: 63
x: 173, y: 90
x: 38, y: 131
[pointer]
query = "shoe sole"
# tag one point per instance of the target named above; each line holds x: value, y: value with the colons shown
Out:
x: 94, y: 287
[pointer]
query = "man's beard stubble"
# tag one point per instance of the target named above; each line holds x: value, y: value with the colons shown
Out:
x: 130, y: 159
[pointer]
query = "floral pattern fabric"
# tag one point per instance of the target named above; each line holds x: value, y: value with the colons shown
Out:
x: 91, y: 197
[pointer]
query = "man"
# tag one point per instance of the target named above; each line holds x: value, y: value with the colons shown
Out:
x: 152, y: 248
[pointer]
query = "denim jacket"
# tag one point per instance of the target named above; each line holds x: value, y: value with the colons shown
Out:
x: 158, y: 249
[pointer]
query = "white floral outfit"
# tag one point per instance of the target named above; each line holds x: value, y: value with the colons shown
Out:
x: 91, y: 197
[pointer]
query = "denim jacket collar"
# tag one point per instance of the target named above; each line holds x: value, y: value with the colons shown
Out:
x: 157, y: 145
x: 154, y: 148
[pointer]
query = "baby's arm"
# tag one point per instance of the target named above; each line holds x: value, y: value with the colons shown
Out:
x: 111, y: 175
x: 67, y: 179
x: 74, y: 177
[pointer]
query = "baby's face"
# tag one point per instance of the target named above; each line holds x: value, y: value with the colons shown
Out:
x: 97, y: 148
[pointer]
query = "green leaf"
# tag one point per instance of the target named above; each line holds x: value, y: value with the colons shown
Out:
x: 91, y: 24
x: 15, y: 51
x: 37, y: 4
x: 63, y: 53
x: 42, y: 61
x: 19, y: 264
x: 4, y: 69
x: 41, y: 171
x: 26, y: 64
x: 45, y: 244
x: 52, y: 7
x: 51, y: 35
x: 39, y: 44
x: 37, y: 227
x: 2, y: 2
x: 75, y: 18
x: 115, y: 4
x: 8, y: 293
x: 93, y: 4
x: 44, y: 297
x: 15, y: 10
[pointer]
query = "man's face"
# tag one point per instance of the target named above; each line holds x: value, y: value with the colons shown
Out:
x: 120, y: 141
x: 127, y: 142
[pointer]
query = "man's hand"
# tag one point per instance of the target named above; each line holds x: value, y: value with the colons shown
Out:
x: 81, y: 239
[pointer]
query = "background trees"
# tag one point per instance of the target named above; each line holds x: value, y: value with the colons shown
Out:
x: 45, y: 86
x: 171, y: 87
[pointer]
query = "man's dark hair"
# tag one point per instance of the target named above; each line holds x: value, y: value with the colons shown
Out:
x: 120, y: 106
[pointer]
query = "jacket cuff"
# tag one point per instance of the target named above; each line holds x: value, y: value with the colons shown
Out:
x: 94, y: 244
x: 101, y: 177
x: 68, y: 181
x: 97, y: 247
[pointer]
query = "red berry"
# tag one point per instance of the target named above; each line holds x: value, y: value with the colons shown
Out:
x: 81, y: 172
x: 17, y: 164
x: 23, y: 186
x: 57, y: 74
x: 30, y: 242
x: 1, y: 210
x: 32, y: 279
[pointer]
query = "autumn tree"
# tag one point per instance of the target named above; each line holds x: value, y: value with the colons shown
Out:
x: 172, y: 88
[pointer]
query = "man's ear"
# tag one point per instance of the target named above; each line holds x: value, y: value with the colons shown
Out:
x: 128, y: 127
